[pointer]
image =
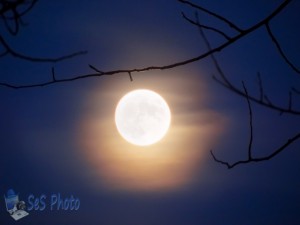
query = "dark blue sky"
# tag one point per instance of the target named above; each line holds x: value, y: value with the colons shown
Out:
x: 62, y: 138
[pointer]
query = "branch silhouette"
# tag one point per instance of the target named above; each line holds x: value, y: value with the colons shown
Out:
x: 213, y: 14
x: 12, y: 12
x: 229, y: 40
x: 225, y: 82
x: 10, y: 51
x: 12, y: 7
x: 250, y: 158
x: 205, y: 27
x: 263, y: 99
x: 278, y: 46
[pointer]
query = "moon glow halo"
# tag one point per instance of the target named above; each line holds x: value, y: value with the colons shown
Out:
x: 142, y: 117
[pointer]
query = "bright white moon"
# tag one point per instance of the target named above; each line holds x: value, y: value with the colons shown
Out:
x: 142, y: 117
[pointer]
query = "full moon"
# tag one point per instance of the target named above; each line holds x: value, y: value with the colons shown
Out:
x: 142, y: 117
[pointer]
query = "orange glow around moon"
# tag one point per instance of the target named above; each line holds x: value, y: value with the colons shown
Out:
x: 115, y: 164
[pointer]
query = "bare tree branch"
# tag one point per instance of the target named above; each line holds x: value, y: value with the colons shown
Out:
x: 250, y: 123
x: 245, y: 94
x: 15, y: 54
x: 53, y: 74
x: 290, y: 100
x: 130, y: 76
x: 10, y: 5
x: 12, y: 31
x: 229, y: 23
x: 263, y: 100
x: 268, y: 101
x: 94, y: 68
x: 260, y: 159
x: 16, y: 18
x: 11, y: 12
x: 261, y: 90
x: 205, y: 27
x: 241, y: 34
x: 280, y: 49
x: 251, y: 159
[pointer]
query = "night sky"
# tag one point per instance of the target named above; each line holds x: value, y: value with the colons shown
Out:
x: 62, y: 138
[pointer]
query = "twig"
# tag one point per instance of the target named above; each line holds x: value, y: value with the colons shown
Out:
x: 34, y: 59
x: 250, y: 123
x: 53, y: 74
x: 16, y: 24
x: 205, y: 27
x: 265, y: 102
x: 261, y: 90
x: 208, y: 45
x: 290, y: 100
x: 280, y: 49
x: 130, y: 77
x: 268, y: 100
x: 229, y: 23
x: 94, y: 68
x: 265, y: 158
